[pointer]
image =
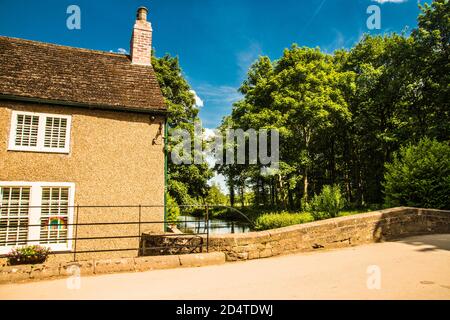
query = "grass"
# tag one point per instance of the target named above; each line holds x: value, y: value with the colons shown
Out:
x: 354, y: 211
x: 270, y: 218
x: 278, y: 220
x: 273, y: 220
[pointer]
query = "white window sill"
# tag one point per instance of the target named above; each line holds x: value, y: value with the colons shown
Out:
x: 25, y: 149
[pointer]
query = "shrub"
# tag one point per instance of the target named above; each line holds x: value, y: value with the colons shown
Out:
x: 269, y: 221
x: 419, y: 176
x: 173, y: 210
x: 28, y: 255
x: 328, y: 203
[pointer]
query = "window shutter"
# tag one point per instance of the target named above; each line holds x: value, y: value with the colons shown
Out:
x: 14, y: 211
x: 55, y: 132
x: 27, y: 130
x: 54, y: 215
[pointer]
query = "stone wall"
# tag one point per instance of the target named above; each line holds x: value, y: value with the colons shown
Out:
x: 340, y: 232
x: 10, y: 274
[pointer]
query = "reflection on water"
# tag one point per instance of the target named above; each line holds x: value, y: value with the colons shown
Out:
x: 189, y: 224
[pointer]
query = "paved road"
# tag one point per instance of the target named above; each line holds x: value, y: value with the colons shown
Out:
x: 414, y: 268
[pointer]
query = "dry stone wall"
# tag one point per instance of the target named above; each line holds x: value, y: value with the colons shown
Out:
x: 340, y: 232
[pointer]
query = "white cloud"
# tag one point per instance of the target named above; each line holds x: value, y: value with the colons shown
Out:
x: 338, y: 42
x: 119, y: 50
x: 390, y: 1
x: 198, y: 101
x: 247, y: 57
x: 219, y: 94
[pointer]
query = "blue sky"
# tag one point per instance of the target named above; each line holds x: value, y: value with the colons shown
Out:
x: 216, y: 40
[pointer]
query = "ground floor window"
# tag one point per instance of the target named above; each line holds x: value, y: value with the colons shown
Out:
x: 54, y: 214
x: 14, y: 215
x: 36, y: 213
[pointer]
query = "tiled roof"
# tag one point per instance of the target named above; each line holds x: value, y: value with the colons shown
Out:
x: 47, y: 72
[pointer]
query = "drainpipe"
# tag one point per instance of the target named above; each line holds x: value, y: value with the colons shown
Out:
x: 166, y: 141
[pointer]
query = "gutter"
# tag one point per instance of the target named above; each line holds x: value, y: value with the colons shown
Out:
x: 166, y: 130
x: 162, y: 112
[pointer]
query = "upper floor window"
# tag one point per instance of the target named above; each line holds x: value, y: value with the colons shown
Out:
x: 39, y: 132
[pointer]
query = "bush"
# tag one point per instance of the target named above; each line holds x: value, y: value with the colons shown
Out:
x: 173, y: 210
x: 269, y: 221
x: 419, y: 176
x: 328, y: 203
x: 28, y: 255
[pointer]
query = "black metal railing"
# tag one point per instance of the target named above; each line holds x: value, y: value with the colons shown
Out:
x: 75, y: 236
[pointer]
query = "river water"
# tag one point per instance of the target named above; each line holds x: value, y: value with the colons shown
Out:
x: 189, y: 224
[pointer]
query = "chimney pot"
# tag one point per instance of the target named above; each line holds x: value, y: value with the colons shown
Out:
x: 142, y: 13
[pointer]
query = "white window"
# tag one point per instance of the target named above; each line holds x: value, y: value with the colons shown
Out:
x: 54, y: 214
x: 36, y: 213
x: 39, y: 132
x: 14, y: 212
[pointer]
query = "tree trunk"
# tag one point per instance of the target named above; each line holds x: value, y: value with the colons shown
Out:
x: 232, y: 196
x: 305, y: 185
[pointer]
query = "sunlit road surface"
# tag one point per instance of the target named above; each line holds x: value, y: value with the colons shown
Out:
x: 413, y: 268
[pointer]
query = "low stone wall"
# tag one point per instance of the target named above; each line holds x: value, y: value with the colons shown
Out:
x: 9, y: 274
x: 340, y: 232
x: 332, y: 233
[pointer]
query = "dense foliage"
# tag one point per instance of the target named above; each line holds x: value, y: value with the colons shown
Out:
x: 173, y: 210
x: 328, y: 203
x: 187, y: 184
x: 341, y: 117
x: 419, y: 176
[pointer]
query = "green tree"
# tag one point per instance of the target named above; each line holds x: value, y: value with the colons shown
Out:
x: 187, y: 184
x: 378, y: 124
x: 310, y: 89
x: 419, y: 176
x: 216, y: 196
x: 429, y: 67
x: 328, y: 203
x: 173, y: 210
x: 341, y: 117
x: 303, y: 96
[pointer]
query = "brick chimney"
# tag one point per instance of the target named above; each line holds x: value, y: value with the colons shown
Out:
x: 141, y: 39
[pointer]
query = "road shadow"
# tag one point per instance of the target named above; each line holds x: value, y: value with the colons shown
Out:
x: 427, y: 243
x: 428, y: 229
x: 431, y: 242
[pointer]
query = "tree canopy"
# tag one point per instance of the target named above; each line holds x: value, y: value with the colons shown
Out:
x: 342, y: 116
x: 187, y: 183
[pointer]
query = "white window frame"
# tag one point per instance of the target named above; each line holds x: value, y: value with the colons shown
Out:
x: 41, y: 133
x: 34, y: 214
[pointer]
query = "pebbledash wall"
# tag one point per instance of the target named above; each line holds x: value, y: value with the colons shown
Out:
x: 340, y: 232
x: 113, y: 161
